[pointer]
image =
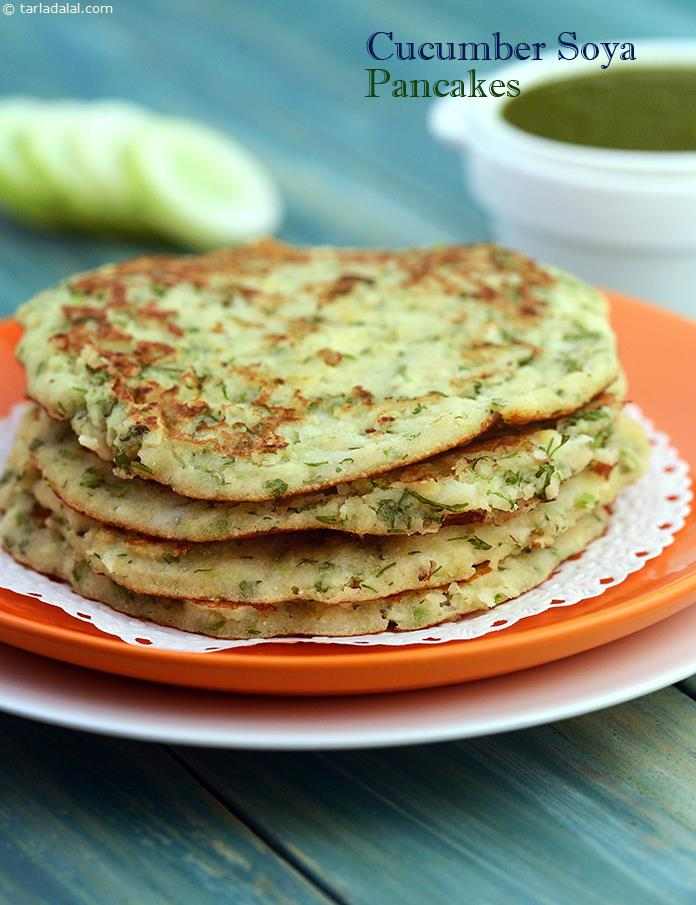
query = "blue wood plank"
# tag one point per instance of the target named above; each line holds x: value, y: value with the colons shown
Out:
x: 591, y: 811
x: 87, y: 820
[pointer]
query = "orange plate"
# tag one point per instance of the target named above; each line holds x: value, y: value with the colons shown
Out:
x: 658, y: 350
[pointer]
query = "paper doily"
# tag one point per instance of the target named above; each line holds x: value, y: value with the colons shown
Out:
x: 645, y: 519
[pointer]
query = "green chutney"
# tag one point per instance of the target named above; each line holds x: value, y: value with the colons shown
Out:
x: 644, y: 108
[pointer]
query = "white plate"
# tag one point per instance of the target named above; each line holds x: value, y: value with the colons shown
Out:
x: 66, y: 695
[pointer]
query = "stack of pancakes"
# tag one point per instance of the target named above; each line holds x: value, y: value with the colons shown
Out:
x: 274, y: 441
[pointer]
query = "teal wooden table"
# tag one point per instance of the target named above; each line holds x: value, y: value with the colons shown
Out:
x: 598, y: 809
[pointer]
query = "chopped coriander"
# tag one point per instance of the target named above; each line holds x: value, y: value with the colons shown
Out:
x: 276, y: 487
x: 91, y: 478
x: 248, y: 588
x: 479, y: 544
x: 385, y: 569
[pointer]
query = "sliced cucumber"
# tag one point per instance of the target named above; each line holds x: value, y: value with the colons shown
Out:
x: 199, y: 187
x: 19, y: 193
x: 44, y: 142
x: 111, y: 166
x: 99, y: 146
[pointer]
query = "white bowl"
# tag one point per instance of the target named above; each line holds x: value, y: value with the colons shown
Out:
x: 621, y: 219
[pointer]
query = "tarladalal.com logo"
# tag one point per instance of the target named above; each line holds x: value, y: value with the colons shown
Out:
x: 57, y: 9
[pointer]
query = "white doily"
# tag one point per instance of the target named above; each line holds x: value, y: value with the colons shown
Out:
x: 645, y: 519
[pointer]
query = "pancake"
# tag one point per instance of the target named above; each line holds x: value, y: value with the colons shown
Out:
x: 267, y: 370
x: 333, y: 568
x: 38, y: 543
x: 485, y: 481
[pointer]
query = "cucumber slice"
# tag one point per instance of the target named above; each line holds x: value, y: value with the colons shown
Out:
x: 19, y: 193
x: 45, y: 142
x: 99, y: 144
x: 199, y: 187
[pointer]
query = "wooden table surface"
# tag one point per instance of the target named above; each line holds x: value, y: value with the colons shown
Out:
x: 598, y: 809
